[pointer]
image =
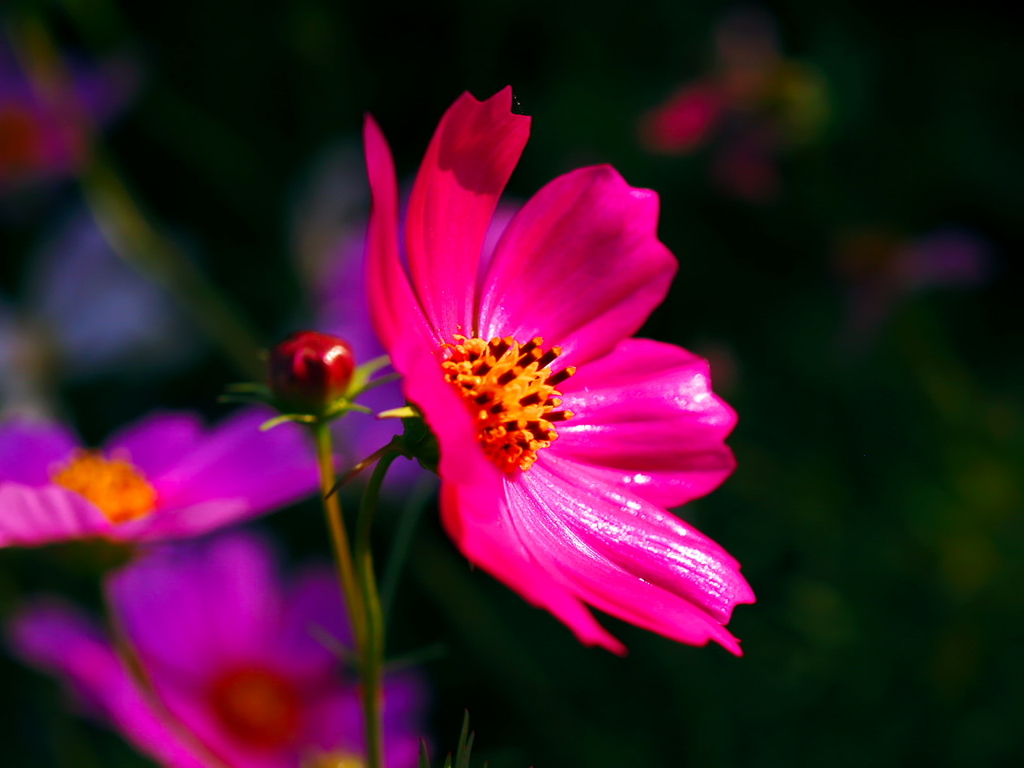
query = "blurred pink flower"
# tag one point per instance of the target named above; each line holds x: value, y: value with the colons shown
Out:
x: 881, y: 269
x: 47, y: 112
x: 164, y: 477
x: 239, y: 667
x: 754, y: 104
x: 488, y: 345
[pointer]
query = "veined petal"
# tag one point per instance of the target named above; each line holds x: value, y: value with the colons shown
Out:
x: 645, y: 418
x: 472, y: 155
x: 56, y: 638
x: 30, y: 449
x: 32, y: 516
x: 480, y: 526
x: 394, y: 308
x: 580, y: 265
x: 625, y: 556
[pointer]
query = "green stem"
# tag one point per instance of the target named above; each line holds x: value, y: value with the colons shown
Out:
x: 372, y: 662
x: 339, y: 537
x: 138, y: 243
x: 412, y: 511
x: 130, y: 233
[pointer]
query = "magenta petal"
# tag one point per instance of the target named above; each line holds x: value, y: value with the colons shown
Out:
x: 157, y: 441
x: 394, y: 309
x: 199, y: 605
x: 479, y: 524
x: 580, y: 265
x: 237, y: 461
x: 30, y: 449
x: 646, y: 416
x: 59, y: 640
x: 30, y: 516
x: 626, y: 556
x: 313, y: 622
x: 474, y: 150
x: 462, y: 459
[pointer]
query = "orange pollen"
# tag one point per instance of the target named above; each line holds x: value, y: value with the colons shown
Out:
x: 258, y: 707
x: 114, y: 485
x: 510, y: 390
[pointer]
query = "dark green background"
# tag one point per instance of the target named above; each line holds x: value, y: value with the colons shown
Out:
x: 877, y: 504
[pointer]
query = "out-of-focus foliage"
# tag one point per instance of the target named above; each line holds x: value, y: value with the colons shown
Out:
x: 878, y: 508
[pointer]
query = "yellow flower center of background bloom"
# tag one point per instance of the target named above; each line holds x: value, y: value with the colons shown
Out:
x: 114, y: 485
x: 336, y: 760
x: 510, y: 390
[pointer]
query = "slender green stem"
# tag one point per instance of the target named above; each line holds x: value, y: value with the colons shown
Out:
x: 358, y: 468
x: 339, y: 537
x: 373, y: 660
x: 129, y: 231
x: 412, y: 511
x: 138, y: 242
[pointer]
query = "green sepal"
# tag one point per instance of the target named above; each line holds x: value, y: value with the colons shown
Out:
x: 361, y: 378
x: 420, y: 443
x: 303, y: 418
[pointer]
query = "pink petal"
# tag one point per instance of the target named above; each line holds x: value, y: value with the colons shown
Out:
x: 481, y: 527
x: 462, y: 460
x: 159, y: 440
x: 580, y: 265
x: 189, y: 608
x: 394, y: 309
x: 187, y: 522
x: 626, y: 556
x: 30, y: 449
x: 474, y: 150
x: 235, y: 460
x: 31, y: 516
x: 646, y: 418
x: 685, y: 119
x: 59, y: 640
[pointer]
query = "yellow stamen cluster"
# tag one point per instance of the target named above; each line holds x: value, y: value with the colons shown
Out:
x: 114, y: 485
x: 510, y: 390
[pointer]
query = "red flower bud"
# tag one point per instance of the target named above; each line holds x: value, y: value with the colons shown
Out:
x: 309, y: 370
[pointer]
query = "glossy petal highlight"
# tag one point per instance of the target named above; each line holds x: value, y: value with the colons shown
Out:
x: 646, y: 414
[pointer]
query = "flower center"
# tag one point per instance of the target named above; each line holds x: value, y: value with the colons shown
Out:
x: 258, y: 707
x: 114, y: 485
x: 510, y: 390
x: 19, y: 145
x: 337, y: 760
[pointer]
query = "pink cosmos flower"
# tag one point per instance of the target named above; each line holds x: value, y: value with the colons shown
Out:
x: 164, y: 477
x: 240, y: 667
x: 754, y: 104
x: 562, y: 439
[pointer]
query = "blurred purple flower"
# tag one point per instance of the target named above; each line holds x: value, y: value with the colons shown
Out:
x: 239, y: 668
x: 881, y: 269
x: 165, y: 477
x: 98, y: 312
x: 755, y: 103
x: 48, y: 110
